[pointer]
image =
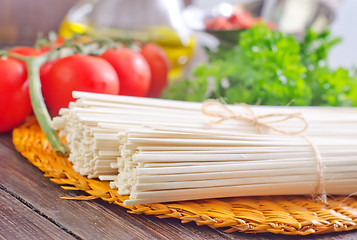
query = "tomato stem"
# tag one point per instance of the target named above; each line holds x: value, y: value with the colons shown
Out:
x: 39, y: 106
x: 14, y: 55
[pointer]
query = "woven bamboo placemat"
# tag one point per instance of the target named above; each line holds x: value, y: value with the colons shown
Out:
x: 291, y: 215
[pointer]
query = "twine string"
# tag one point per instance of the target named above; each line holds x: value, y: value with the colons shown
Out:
x: 259, y: 124
x: 318, y: 158
x: 252, y: 118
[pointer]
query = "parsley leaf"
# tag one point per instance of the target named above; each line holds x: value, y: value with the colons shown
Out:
x: 270, y: 68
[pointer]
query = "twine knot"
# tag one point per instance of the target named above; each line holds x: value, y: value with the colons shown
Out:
x: 256, y: 120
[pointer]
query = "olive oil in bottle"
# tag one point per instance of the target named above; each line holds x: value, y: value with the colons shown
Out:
x: 157, y: 21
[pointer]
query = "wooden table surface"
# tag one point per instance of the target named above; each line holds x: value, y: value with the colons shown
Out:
x: 30, y: 208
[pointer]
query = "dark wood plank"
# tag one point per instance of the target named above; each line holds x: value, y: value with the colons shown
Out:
x: 100, y: 220
x: 18, y: 221
x: 5, y: 139
x: 87, y: 219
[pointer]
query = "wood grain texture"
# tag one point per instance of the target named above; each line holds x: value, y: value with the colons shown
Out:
x: 88, y: 220
x: 101, y: 220
x: 18, y: 221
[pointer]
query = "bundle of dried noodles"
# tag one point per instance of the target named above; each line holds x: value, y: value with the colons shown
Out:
x: 159, y: 150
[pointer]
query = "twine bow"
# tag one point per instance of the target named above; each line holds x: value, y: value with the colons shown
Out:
x: 252, y: 118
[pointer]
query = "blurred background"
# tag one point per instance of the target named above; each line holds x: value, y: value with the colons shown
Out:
x: 22, y: 20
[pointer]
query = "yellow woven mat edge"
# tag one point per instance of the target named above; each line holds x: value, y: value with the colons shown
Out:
x: 291, y: 215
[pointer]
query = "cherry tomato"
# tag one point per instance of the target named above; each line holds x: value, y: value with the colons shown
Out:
x: 44, y: 71
x: 26, y: 51
x: 15, y: 103
x: 132, y: 69
x: 29, y: 51
x: 159, y: 67
x: 77, y: 72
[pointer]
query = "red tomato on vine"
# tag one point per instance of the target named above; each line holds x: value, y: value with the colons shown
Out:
x: 15, y: 103
x: 159, y: 67
x: 26, y: 51
x: 132, y: 69
x: 77, y: 72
